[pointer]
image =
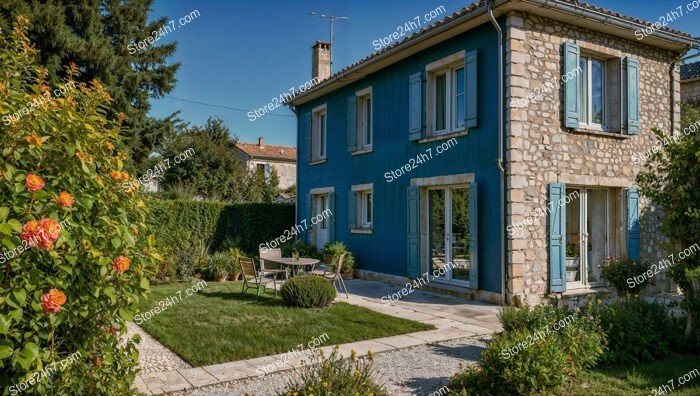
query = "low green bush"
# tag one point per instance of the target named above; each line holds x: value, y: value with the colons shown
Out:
x: 333, y: 375
x: 304, y: 250
x: 538, y: 350
x: 637, y: 331
x: 308, y: 291
x: 618, y: 271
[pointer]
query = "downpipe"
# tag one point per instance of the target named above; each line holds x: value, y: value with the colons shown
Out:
x: 499, y: 161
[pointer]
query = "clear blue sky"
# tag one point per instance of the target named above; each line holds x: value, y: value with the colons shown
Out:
x: 242, y: 53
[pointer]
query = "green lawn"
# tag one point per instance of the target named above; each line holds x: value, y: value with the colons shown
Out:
x: 218, y: 324
x: 642, y: 379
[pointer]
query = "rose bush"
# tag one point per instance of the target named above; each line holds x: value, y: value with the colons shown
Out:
x: 83, y: 265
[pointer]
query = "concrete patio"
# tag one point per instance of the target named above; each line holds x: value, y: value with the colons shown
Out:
x: 452, y: 317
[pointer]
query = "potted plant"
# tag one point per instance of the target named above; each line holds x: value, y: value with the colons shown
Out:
x: 235, y: 270
x: 332, y: 252
x: 218, y: 265
x: 572, y: 261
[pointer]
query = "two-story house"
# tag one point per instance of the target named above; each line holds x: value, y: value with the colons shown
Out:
x: 492, y: 152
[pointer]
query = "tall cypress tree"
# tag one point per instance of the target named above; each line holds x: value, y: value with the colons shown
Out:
x: 95, y: 35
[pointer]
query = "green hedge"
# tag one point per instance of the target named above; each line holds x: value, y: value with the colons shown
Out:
x: 179, y: 224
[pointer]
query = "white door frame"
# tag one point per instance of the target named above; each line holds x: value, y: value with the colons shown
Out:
x: 448, y: 235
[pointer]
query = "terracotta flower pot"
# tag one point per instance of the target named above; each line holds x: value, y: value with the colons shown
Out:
x: 235, y: 276
x: 219, y: 279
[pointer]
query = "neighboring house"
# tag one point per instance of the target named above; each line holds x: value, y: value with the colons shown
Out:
x: 406, y: 149
x: 690, y: 83
x: 266, y: 157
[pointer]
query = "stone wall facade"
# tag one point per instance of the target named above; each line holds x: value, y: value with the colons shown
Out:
x: 287, y: 171
x: 541, y: 150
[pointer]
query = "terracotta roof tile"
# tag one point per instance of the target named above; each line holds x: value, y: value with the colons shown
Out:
x: 268, y: 151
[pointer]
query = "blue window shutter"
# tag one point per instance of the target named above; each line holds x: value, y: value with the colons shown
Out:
x: 416, y: 116
x: 571, y: 64
x: 632, y: 96
x: 307, y: 136
x: 633, y: 224
x: 310, y: 212
x: 352, y: 209
x: 557, y: 238
x: 413, y: 232
x: 331, y: 218
x: 267, y: 169
x: 352, y: 123
x: 473, y: 237
x: 470, y: 70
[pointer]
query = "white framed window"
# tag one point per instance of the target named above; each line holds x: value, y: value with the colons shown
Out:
x: 361, y: 208
x: 592, y: 93
x: 446, y: 88
x: 364, y: 118
x: 318, y: 133
x: 366, y: 208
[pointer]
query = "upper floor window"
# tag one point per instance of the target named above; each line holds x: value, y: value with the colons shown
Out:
x: 592, y: 95
x: 364, y: 118
x: 318, y: 130
x: 446, y: 89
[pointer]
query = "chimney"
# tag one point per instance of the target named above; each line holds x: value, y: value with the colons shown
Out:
x: 261, y: 142
x: 321, y: 60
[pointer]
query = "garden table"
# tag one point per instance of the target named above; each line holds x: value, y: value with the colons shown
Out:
x: 302, y: 263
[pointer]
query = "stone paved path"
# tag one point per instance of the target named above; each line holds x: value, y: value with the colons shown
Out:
x: 153, y: 356
x: 454, y: 318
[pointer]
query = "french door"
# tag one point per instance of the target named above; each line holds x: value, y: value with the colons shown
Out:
x: 448, y: 234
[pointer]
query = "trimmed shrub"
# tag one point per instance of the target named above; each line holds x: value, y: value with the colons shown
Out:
x: 333, y: 375
x: 75, y: 226
x: 539, y: 350
x: 618, y: 271
x: 308, y: 291
x: 637, y: 331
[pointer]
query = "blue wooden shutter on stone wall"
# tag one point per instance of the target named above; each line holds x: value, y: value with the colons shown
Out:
x: 352, y: 210
x: 571, y: 98
x: 352, y: 123
x: 633, y: 223
x: 557, y: 238
x: 310, y: 212
x: 307, y: 136
x: 416, y: 117
x: 331, y: 218
x: 473, y: 237
x: 632, y: 96
x: 413, y: 232
x: 470, y: 70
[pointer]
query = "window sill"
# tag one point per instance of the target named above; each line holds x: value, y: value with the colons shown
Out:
x: 585, y: 291
x: 367, y: 231
x: 317, y: 162
x: 366, y: 150
x: 464, y: 132
x: 597, y: 132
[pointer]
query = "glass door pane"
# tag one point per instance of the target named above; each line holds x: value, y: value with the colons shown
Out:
x: 597, y: 229
x: 573, y: 235
x: 459, y: 234
x: 436, y: 233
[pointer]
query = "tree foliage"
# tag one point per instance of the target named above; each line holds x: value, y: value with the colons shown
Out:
x: 671, y: 181
x: 94, y: 35
x: 75, y: 252
x: 215, y: 172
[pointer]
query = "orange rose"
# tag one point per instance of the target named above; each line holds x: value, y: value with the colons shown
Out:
x: 30, y: 232
x: 110, y: 146
x: 65, y: 199
x: 52, y: 301
x: 34, y: 183
x: 114, y: 174
x: 121, y: 264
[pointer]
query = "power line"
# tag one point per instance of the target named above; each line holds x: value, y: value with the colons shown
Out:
x: 224, y: 107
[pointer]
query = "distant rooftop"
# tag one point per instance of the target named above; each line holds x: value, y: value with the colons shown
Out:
x: 268, y: 151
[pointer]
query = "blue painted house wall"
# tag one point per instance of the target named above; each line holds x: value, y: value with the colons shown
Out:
x: 385, y: 250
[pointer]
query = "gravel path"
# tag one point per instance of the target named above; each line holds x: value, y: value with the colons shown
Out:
x: 153, y: 356
x: 419, y: 370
